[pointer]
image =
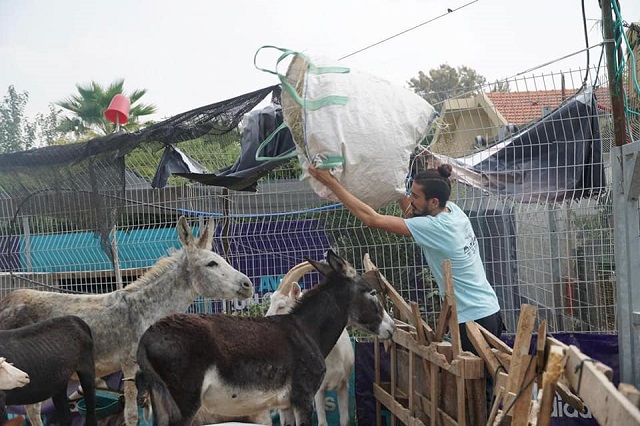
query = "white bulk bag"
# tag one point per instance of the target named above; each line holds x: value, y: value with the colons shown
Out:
x: 363, y: 127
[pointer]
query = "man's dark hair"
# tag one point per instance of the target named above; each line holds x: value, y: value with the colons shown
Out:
x: 435, y: 183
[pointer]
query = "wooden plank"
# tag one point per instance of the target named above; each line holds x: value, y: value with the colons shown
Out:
x: 476, y: 388
x: 630, y: 392
x: 435, y: 392
x: 567, y: 395
x: 442, y: 417
x: 522, y: 405
x: 374, y: 277
x: 606, y: 403
x: 551, y: 375
x: 443, y: 320
x: 603, y: 368
x: 520, y: 357
x: 503, y: 359
x: 396, y: 409
x: 451, y: 299
x: 483, y: 349
x: 462, y: 397
x: 425, y: 334
x: 430, y: 353
x: 541, y: 343
x: 496, y: 405
x: 411, y: 390
x: 494, y: 341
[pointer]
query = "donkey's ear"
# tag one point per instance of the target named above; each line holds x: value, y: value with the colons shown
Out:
x: 340, y: 265
x: 321, y: 267
x: 184, y: 231
x: 206, y: 238
x: 295, y: 291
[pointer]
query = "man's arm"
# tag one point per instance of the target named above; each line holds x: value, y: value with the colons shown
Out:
x: 361, y: 210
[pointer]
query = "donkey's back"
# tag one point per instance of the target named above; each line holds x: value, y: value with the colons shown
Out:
x: 235, y: 365
x: 51, y: 352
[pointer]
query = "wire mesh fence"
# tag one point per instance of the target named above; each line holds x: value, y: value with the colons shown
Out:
x: 92, y: 221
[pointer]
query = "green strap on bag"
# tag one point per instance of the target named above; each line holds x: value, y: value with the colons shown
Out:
x: 264, y: 143
x: 306, y: 104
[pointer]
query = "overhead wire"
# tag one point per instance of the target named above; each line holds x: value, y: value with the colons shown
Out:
x: 448, y: 12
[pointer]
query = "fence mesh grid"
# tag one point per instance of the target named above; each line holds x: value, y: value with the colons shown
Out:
x: 556, y: 253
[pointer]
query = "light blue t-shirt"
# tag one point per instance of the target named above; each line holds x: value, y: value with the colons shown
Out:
x: 449, y: 235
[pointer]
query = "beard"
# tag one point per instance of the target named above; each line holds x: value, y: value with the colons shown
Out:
x: 419, y: 213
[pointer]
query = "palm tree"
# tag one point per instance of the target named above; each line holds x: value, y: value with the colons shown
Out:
x: 89, y: 104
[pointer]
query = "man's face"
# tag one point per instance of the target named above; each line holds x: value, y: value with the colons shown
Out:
x: 420, y: 205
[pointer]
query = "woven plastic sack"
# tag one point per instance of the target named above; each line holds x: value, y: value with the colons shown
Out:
x: 362, y: 127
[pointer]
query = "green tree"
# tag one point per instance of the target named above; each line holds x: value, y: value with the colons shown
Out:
x: 48, y: 127
x: 446, y: 82
x: 17, y: 133
x: 89, y: 104
x: 500, y: 86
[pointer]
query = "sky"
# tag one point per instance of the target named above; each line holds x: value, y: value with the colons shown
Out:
x: 192, y: 53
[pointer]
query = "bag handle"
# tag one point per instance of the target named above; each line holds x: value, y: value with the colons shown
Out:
x: 284, y: 156
x: 308, y: 104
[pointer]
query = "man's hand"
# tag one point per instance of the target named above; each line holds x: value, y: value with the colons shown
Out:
x: 323, y: 176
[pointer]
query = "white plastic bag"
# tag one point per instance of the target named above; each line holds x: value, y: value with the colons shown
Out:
x: 363, y: 127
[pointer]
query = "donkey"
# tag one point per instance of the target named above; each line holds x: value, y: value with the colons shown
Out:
x: 235, y: 366
x: 51, y: 351
x: 118, y: 319
x: 10, y: 376
x: 339, y: 363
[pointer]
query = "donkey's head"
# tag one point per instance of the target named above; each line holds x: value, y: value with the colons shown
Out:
x: 211, y: 275
x: 11, y: 377
x: 365, y: 310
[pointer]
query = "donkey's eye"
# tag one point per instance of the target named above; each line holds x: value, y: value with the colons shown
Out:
x: 373, y: 293
x: 212, y: 263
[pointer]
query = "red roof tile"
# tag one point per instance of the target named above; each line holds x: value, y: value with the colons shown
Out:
x: 524, y: 107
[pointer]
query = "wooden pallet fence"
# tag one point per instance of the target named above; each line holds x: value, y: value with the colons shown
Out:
x: 432, y: 382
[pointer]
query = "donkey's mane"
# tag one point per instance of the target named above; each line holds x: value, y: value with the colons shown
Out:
x: 159, y: 268
x: 321, y: 287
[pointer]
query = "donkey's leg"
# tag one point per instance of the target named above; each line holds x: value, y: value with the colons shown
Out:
x: 33, y: 413
x: 304, y: 414
x: 3, y: 408
x: 287, y: 418
x: 320, y: 409
x: 61, y: 402
x: 343, y: 403
x: 129, y: 370
x: 86, y: 375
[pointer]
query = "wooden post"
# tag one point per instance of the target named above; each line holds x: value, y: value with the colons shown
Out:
x: 552, y: 372
x: 520, y: 360
x: 450, y: 298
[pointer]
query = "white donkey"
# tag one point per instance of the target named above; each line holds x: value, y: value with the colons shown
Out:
x: 11, y: 377
x: 339, y: 362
